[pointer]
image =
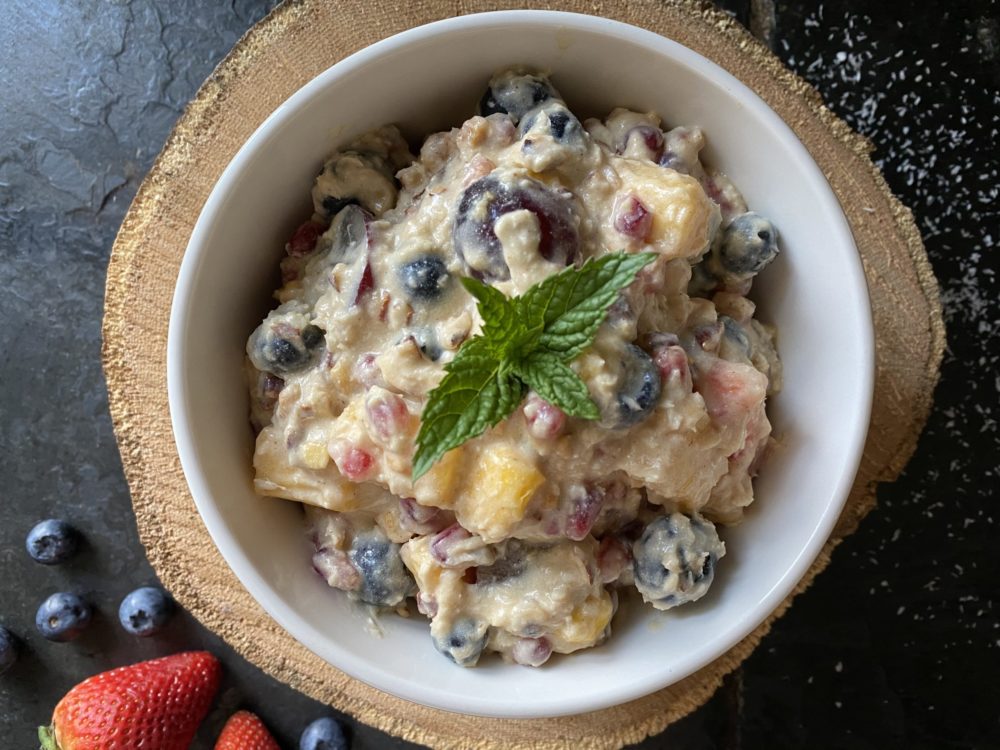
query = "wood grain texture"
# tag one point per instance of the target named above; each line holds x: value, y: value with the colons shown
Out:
x: 296, y: 42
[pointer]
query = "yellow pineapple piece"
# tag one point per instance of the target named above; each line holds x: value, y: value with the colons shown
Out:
x: 314, y: 456
x: 497, y: 492
x: 437, y: 487
x: 684, y: 217
x: 585, y: 625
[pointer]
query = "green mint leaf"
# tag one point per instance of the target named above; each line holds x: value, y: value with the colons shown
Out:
x: 554, y: 381
x: 475, y: 394
x: 572, y: 304
x: 506, y: 330
x: 525, y: 341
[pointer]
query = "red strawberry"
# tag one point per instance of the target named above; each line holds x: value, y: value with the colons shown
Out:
x: 244, y: 731
x: 154, y: 705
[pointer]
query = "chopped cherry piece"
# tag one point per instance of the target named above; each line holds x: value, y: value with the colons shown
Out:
x: 444, y: 540
x: 366, y: 284
x: 303, y: 240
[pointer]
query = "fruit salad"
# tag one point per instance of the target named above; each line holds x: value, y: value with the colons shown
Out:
x: 522, y: 539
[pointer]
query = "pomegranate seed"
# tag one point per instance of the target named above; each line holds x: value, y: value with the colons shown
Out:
x: 531, y: 652
x: 426, y: 604
x: 366, y: 372
x: 650, y: 138
x: 545, y: 421
x: 633, y: 219
x: 304, y: 239
x: 387, y: 416
x: 586, y: 507
x: 354, y: 463
x: 612, y: 558
x: 673, y: 362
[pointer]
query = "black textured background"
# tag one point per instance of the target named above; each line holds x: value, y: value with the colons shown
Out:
x: 897, y: 645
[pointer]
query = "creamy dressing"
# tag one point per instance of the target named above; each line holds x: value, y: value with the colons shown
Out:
x: 519, y: 540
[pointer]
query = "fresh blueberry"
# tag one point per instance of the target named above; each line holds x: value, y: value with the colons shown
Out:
x: 424, y: 278
x: 674, y: 559
x: 561, y: 124
x: 749, y: 244
x: 427, y: 341
x: 385, y: 581
x: 337, y: 185
x: 465, y: 642
x: 279, y: 347
x: 313, y: 336
x: 348, y: 239
x: 323, y: 734
x: 639, y: 387
x: 145, y: 611
x: 515, y: 94
x: 8, y: 649
x: 62, y: 617
x: 735, y: 335
x: 332, y: 205
x: 489, y: 198
x: 52, y: 542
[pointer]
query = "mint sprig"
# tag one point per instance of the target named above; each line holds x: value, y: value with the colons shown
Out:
x: 526, y: 342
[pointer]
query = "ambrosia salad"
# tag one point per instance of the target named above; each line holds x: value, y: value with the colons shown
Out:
x: 585, y: 285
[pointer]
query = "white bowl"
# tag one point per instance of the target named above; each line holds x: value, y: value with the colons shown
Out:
x: 815, y: 293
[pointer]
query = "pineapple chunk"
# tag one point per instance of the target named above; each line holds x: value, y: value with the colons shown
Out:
x: 585, y: 626
x: 314, y: 455
x: 436, y: 488
x: 684, y: 217
x: 498, y: 491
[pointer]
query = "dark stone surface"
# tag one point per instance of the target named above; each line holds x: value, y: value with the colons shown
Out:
x: 897, y: 645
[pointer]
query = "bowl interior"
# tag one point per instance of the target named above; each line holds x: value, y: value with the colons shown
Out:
x: 814, y: 292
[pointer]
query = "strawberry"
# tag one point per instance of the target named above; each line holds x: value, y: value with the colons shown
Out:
x: 153, y: 705
x: 245, y: 731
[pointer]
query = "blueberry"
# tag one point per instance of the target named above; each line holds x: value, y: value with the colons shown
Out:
x: 464, y: 643
x: 515, y: 94
x: 749, y: 244
x: 489, y: 198
x: 355, y: 178
x: 561, y: 124
x: 284, y: 343
x: 8, y: 649
x: 639, y: 387
x: 313, y: 336
x: 510, y: 565
x: 323, y: 734
x: 332, y: 205
x: 735, y: 336
x: 427, y: 341
x: 385, y: 581
x: 62, y: 617
x: 674, y: 560
x: 52, y: 542
x: 145, y: 611
x: 424, y: 278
